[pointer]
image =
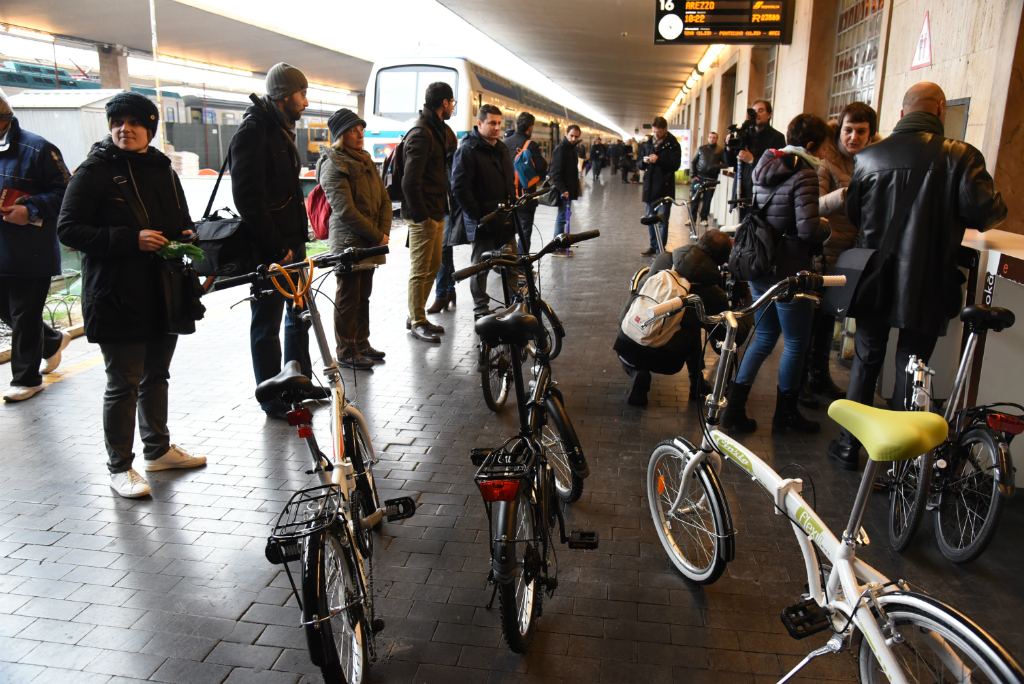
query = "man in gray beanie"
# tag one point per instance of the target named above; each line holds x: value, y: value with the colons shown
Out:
x: 265, y: 165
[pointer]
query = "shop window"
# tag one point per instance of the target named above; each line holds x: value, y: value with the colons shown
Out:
x: 855, y: 67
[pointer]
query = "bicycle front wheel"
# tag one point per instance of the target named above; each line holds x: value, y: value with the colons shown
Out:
x: 496, y: 374
x: 563, y: 449
x: 694, y: 530
x: 519, y: 600
x: 936, y: 644
x: 907, y: 498
x: 338, y: 633
x: 970, y: 503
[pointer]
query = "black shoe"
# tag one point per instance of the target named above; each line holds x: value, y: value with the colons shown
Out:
x: 734, y: 417
x: 421, y: 331
x: 371, y: 353
x: 356, y: 361
x: 436, y: 329
x: 638, y: 390
x: 277, y: 411
x: 477, y: 315
x: 649, y: 253
x: 820, y: 382
x: 806, y: 397
x: 788, y: 417
x: 319, y: 393
x: 847, y: 457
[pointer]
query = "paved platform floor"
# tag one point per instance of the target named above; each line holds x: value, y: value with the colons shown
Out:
x: 175, y: 588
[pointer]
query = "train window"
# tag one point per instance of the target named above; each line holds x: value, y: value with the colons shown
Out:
x: 400, y: 90
x: 318, y: 134
x: 170, y: 115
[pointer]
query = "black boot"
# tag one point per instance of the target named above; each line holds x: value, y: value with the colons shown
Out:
x: 819, y: 376
x: 787, y: 416
x: 734, y: 417
x: 820, y: 381
x: 847, y: 457
x: 699, y: 387
x: 638, y: 390
x: 806, y: 396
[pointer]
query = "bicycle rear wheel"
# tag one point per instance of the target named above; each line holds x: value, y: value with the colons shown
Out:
x: 552, y: 325
x: 496, y: 375
x: 694, y: 534
x: 907, y: 498
x: 970, y: 503
x: 563, y: 449
x: 360, y: 455
x: 937, y: 644
x: 520, y: 599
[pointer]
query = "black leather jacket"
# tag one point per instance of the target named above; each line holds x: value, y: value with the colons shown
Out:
x: 707, y: 162
x: 957, y: 194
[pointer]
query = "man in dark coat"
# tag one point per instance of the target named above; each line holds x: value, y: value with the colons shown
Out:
x: 565, y: 178
x: 763, y: 137
x: 265, y: 164
x: 614, y: 154
x: 516, y: 142
x: 29, y: 254
x: 482, y: 178
x: 705, y: 166
x: 597, y: 155
x: 425, y: 202
x: 660, y: 158
x: 698, y: 263
x: 920, y: 279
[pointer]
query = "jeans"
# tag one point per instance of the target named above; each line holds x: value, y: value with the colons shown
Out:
x: 526, y: 215
x: 425, y: 241
x: 793, y: 322
x: 352, y: 312
x: 561, y: 222
x: 265, y: 338
x: 445, y: 283
x: 666, y: 211
x: 485, y: 241
x: 596, y: 165
x: 137, y: 375
x: 32, y: 340
x: 869, y: 355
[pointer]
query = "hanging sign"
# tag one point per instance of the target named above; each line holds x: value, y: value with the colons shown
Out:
x: 923, y: 51
x: 699, y: 22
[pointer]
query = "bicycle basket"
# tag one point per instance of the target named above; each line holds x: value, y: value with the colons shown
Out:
x: 308, y: 511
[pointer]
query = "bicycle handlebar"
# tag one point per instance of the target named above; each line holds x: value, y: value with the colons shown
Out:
x: 562, y: 241
x: 508, y: 208
x: 351, y: 255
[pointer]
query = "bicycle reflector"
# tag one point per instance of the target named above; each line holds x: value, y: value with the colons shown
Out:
x: 1004, y: 423
x: 300, y: 416
x: 498, y: 490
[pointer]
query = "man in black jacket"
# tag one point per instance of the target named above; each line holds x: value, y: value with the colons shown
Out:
x: 482, y: 178
x: 265, y: 165
x: 763, y: 137
x: 705, y: 166
x: 614, y: 154
x: 565, y: 178
x: 699, y: 265
x: 516, y: 142
x: 661, y: 157
x: 919, y: 279
x: 426, y: 201
x: 597, y: 154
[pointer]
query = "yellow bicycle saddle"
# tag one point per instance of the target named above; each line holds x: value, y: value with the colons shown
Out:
x: 890, y: 435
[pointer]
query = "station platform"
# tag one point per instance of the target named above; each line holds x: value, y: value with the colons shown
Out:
x: 175, y: 587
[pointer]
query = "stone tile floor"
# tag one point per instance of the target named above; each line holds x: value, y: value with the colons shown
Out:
x: 175, y: 588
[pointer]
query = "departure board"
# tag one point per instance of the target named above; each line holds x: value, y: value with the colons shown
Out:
x: 723, y: 21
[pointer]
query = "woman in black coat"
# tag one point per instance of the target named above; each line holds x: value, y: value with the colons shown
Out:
x: 121, y: 292
x: 786, y: 194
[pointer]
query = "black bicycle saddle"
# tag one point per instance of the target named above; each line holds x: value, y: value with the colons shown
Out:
x: 513, y: 326
x: 980, y: 318
x: 288, y: 380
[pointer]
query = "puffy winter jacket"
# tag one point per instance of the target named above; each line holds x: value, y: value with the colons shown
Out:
x: 833, y: 177
x: 360, y: 206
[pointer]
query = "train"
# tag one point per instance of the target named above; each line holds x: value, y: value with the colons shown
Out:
x: 395, y: 91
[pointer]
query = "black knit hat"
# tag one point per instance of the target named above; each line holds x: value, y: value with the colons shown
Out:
x: 341, y: 121
x: 134, y: 104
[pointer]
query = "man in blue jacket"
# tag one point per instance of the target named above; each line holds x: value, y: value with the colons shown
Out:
x: 33, y: 178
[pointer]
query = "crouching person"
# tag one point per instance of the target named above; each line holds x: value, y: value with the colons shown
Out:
x: 121, y: 291
x: 698, y: 263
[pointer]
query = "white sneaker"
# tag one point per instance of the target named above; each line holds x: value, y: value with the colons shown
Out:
x: 129, y: 484
x: 22, y: 393
x: 176, y: 457
x: 51, y: 363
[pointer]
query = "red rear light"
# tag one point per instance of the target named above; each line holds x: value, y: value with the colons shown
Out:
x: 305, y: 431
x: 300, y: 416
x: 498, y: 490
x: 1004, y: 423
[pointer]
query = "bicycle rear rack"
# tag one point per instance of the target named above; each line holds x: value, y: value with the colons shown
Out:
x: 308, y: 511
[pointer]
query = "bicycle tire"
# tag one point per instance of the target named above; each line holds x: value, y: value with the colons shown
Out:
x: 519, y: 600
x: 919, y: 619
x: 338, y: 644
x: 562, y: 446
x: 549, y: 321
x: 364, y: 485
x: 908, y: 498
x: 496, y: 375
x: 969, y: 493
x: 702, y: 556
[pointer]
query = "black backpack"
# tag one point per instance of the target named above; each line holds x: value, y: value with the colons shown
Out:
x: 753, y: 248
x: 393, y: 170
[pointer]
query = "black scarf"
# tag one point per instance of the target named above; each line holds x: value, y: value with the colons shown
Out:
x: 920, y: 122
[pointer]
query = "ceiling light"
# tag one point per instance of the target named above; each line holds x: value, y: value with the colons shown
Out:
x: 25, y: 33
x: 710, y: 55
x: 692, y: 81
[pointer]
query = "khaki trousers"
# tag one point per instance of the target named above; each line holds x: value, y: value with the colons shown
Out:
x: 425, y: 242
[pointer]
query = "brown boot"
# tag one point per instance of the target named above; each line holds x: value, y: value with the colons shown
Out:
x: 439, y: 305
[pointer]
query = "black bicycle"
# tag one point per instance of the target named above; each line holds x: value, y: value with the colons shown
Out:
x: 327, y: 528
x: 527, y: 475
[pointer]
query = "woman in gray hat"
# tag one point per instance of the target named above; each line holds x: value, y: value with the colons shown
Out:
x: 360, y: 217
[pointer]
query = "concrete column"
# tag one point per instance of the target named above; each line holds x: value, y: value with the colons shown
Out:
x: 113, y: 67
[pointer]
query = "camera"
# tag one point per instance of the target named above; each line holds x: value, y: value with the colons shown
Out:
x: 739, y: 135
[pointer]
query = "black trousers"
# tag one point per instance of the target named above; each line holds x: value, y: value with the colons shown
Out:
x: 869, y: 355
x: 352, y: 312
x: 705, y: 203
x: 486, y: 241
x: 32, y: 340
x: 527, y: 213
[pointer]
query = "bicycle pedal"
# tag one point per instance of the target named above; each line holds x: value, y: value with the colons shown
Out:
x: 479, y: 455
x: 805, y: 618
x: 377, y: 626
x: 582, y: 540
x: 399, y: 509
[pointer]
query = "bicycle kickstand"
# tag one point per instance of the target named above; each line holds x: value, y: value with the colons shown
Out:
x: 493, y: 594
x: 834, y: 645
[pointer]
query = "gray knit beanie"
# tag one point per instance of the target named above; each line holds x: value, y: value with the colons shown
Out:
x: 284, y: 80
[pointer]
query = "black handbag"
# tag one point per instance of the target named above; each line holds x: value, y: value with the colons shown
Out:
x: 864, y: 292
x: 179, y: 283
x: 550, y: 198
x: 224, y: 239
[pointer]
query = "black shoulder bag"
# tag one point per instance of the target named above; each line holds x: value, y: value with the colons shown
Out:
x: 864, y: 291
x: 224, y: 238
x: 179, y: 283
x: 753, y: 249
